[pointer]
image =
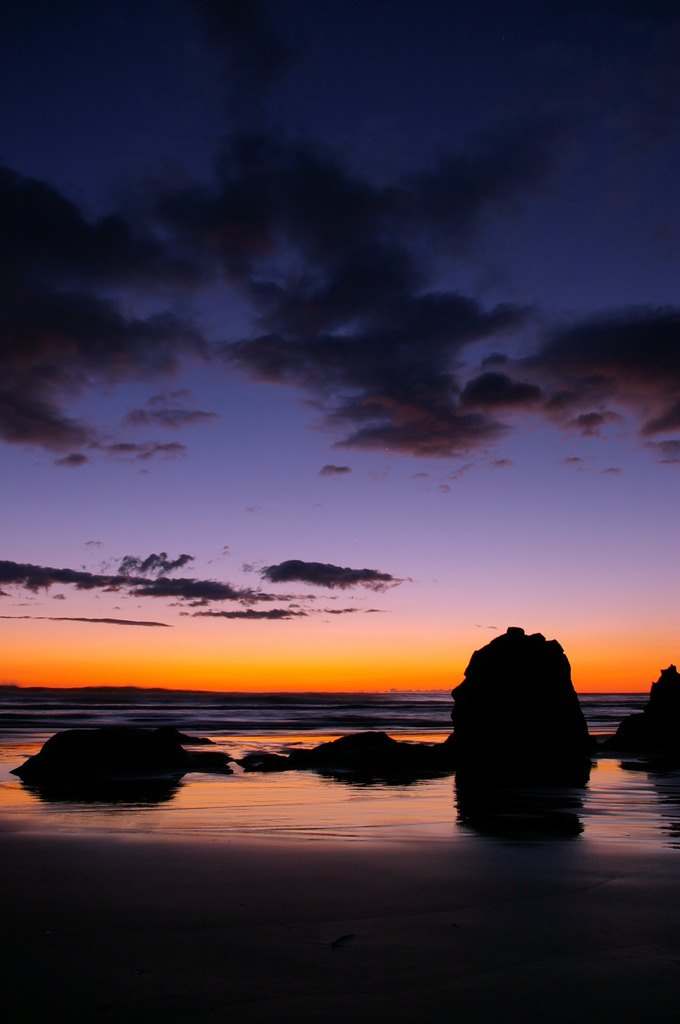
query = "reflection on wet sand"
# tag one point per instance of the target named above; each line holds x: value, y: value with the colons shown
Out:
x: 129, y: 792
x: 526, y: 802
x: 666, y: 782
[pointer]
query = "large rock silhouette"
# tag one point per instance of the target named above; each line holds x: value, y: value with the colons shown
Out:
x: 517, y: 703
x: 115, y: 752
x: 656, y: 729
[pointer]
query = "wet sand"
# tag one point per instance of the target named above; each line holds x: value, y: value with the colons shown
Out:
x: 128, y: 929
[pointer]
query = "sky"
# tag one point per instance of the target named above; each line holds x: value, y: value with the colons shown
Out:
x: 336, y: 339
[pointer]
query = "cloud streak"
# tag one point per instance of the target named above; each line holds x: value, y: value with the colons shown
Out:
x: 82, y: 618
x: 251, y: 613
x: 323, y: 574
x: 173, y: 418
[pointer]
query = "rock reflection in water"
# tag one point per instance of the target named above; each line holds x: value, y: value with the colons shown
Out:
x: 137, y: 792
x: 527, y: 802
x: 367, y: 779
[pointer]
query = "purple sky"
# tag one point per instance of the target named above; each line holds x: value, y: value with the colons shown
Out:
x: 368, y: 310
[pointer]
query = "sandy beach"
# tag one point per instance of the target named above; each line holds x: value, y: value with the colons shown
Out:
x: 118, y: 929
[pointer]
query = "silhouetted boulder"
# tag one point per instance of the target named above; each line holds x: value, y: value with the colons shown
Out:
x: 656, y: 729
x: 184, y: 739
x: 370, y: 751
x: 261, y: 761
x: 362, y: 753
x: 517, y: 703
x: 114, y: 752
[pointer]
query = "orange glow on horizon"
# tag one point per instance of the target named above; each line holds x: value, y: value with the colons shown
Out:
x: 365, y: 667
x: 372, y: 655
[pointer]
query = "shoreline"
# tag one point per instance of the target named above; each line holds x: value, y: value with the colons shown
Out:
x: 129, y: 928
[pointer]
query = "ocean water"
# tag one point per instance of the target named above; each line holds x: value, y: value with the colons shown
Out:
x: 620, y: 802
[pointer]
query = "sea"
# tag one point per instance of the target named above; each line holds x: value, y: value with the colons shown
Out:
x: 618, y: 801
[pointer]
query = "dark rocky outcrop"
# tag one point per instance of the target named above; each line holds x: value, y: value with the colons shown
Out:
x: 115, y: 752
x: 516, y: 708
x: 517, y: 704
x: 656, y: 729
x: 184, y: 739
x: 369, y: 754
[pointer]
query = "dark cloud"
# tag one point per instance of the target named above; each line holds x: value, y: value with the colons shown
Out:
x: 35, y: 578
x: 339, y: 271
x: 55, y: 345
x: 251, y: 613
x: 44, y: 235
x: 352, y: 611
x: 253, y: 40
x: 174, y: 418
x: 280, y: 613
x: 322, y: 574
x: 193, y: 590
x: 666, y: 423
x: 61, y: 332
x: 496, y: 390
x: 154, y: 564
x: 79, y: 618
x: 590, y: 424
x: 496, y: 170
x: 179, y: 395
x: 73, y: 460
x: 336, y: 269
x: 630, y: 359
x: 331, y: 470
x: 666, y: 452
x: 128, y: 451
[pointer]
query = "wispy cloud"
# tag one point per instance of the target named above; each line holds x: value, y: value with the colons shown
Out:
x: 175, y: 418
x: 83, y: 618
x: 251, y: 613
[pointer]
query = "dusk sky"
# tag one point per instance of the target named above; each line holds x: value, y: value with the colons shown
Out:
x: 336, y: 338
